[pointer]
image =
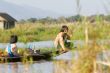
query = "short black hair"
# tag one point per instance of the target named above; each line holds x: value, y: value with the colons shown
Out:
x: 13, y: 39
x: 63, y: 28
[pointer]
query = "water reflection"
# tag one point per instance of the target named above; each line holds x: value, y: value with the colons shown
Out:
x: 41, y: 67
x: 56, y: 66
x: 37, y: 67
x: 13, y: 68
x: 63, y: 66
x: 40, y: 44
x: 9, y: 68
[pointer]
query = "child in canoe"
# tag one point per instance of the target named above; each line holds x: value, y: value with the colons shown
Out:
x: 11, y: 49
x: 62, y: 39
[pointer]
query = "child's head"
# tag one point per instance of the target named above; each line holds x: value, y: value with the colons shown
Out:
x: 64, y: 28
x: 13, y: 39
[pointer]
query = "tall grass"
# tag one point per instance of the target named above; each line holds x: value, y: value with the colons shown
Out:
x: 92, y: 33
x: 30, y: 32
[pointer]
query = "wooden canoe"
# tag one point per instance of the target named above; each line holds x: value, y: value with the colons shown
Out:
x: 31, y: 57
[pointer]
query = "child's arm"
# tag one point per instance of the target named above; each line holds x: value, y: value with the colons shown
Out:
x: 14, y: 48
x: 68, y: 37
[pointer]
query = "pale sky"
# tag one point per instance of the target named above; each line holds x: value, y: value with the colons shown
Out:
x: 88, y: 7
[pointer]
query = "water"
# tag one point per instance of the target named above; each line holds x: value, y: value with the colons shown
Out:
x: 39, y: 67
x: 54, y: 66
x: 43, y: 67
x: 41, y: 44
x: 60, y: 64
x: 48, y: 44
x: 67, y: 56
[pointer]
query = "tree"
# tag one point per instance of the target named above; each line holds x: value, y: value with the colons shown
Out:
x: 33, y: 20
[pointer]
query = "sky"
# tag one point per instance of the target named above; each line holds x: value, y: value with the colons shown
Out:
x: 88, y: 7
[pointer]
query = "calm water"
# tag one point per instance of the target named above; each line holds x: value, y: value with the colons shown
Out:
x: 54, y: 66
x: 39, y: 67
x: 40, y: 45
x: 47, y: 44
x: 60, y: 64
x: 43, y: 67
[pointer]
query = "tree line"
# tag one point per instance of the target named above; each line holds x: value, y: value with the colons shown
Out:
x: 62, y: 19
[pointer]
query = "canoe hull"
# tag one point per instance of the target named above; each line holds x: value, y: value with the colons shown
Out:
x: 32, y: 57
x: 25, y: 58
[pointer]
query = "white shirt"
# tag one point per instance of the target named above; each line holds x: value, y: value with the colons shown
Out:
x: 13, y: 48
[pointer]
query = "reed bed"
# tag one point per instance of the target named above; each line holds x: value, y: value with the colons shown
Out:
x: 30, y: 32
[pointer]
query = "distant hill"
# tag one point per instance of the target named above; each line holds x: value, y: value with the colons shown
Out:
x: 25, y: 12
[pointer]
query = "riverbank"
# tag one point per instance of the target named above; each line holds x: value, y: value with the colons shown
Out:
x: 31, y: 32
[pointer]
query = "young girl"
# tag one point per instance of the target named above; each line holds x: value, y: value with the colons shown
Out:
x: 61, y: 40
x: 11, y: 49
